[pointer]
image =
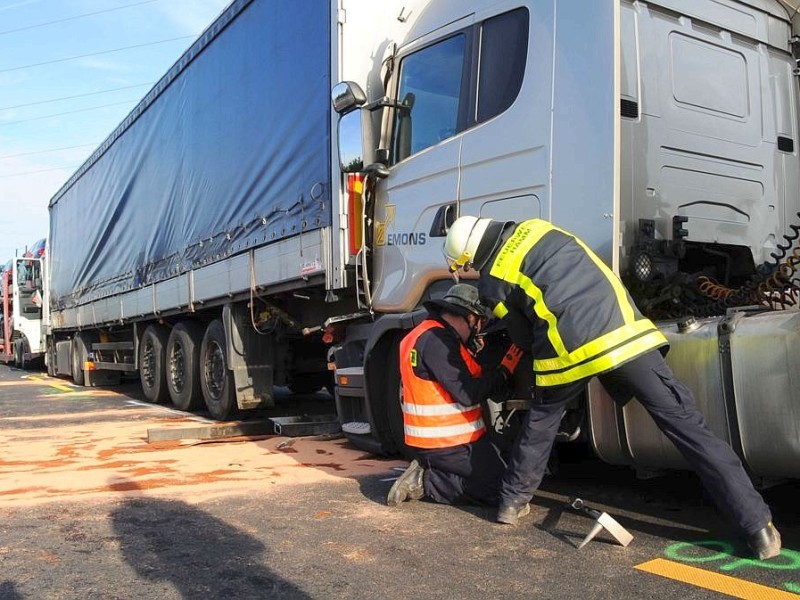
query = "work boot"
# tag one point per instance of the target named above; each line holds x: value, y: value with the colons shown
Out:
x: 511, y: 513
x: 765, y: 543
x: 408, y: 486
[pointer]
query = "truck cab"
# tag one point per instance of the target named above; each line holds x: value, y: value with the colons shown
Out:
x: 22, y: 312
x: 664, y: 134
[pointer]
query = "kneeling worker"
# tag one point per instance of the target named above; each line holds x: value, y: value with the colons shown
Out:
x: 443, y: 386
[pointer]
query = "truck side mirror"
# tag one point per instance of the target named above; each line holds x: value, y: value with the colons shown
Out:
x: 346, y: 96
x: 355, y: 141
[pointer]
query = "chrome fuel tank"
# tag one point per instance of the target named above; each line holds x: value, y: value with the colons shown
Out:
x: 744, y: 371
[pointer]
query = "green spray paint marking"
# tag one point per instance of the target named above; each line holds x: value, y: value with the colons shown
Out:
x: 721, y: 551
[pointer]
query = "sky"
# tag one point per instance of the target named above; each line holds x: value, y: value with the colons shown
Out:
x: 70, y: 71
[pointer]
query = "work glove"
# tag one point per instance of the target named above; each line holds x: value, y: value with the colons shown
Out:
x: 511, y: 359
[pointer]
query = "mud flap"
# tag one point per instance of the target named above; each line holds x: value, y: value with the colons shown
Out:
x: 250, y: 357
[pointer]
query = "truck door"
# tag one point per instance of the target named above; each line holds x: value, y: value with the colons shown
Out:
x: 28, y: 300
x: 510, y: 113
x: 543, y: 138
x: 431, y: 89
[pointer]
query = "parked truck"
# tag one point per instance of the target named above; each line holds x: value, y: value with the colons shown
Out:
x: 21, y: 306
x: 235, y: 232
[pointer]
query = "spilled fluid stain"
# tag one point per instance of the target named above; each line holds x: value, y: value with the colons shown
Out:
x: 149, y: 484
x: 332, y: 466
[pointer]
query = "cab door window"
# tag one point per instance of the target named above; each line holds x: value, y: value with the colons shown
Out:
x: 503, y: 53
x: 430, y: 97
x: 457, y: 83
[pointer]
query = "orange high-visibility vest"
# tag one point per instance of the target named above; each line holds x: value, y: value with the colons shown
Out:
x: 431, y: 417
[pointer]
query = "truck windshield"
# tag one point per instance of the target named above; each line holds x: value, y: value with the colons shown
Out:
x: 28, y: 278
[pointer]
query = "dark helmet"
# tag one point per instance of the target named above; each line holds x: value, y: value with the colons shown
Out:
x: 461, y: 299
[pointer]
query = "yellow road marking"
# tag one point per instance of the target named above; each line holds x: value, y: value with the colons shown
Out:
x: 725, y: 584
x: 58, y: 386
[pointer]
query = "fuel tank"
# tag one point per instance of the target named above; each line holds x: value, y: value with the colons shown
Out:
x: 744, y: 371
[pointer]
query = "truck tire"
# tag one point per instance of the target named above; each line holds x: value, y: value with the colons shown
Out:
x: 216, y: 380
x: 152, y: 364
x: 77, y: 357
x: 386, y: 406
x: 19, y: 354
x: 50, y: 361
x: 183, y: 365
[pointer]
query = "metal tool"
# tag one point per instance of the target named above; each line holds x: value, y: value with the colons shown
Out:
x: 602, y: 521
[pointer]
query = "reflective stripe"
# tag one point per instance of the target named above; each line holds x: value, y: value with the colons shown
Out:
x: 443, y: 432
x: 430, y: 410
x: 500, y: 310
x: 508, y: 267
x: 544, y: 313
x: 511, y: 255
x: 595, y: 347
x: 441, y: 420
x: 605, y: 362
x: 511, y: 272
x: 616, y: 283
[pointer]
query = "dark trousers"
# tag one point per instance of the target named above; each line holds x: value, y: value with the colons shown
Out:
x: 671, y: 405
x: 467, y: 473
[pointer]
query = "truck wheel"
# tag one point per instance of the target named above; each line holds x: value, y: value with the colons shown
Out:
x: 183, y: 365
x: 152, y: 371
x: 50, y: 361
x: 386, y: 407
x: 77, y: 358
x: 19, y: 354
x: 216, y: 381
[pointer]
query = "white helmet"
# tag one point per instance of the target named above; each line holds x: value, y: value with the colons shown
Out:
x: 463, y: 238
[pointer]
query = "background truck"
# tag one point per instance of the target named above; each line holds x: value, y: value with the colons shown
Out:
x: 21, y: 304
x: 234, y: 232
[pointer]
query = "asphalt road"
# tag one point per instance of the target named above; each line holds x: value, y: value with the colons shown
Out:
x: 90, y: 509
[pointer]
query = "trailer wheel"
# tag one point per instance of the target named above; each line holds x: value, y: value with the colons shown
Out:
x: 152, y: 371
x: 216, y: 381
x: 77, y: 358
x: 183, y: 365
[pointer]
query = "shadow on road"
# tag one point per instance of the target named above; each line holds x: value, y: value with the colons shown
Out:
x: 8, y: 591
x: 201, y: 556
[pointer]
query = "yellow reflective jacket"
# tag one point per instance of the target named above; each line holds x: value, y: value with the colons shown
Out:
x: 582, y: 319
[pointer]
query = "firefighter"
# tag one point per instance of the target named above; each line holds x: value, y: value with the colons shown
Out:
x: 443, y: 386
x: 582, y: 323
